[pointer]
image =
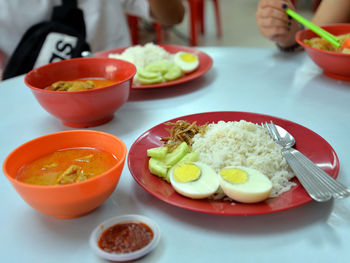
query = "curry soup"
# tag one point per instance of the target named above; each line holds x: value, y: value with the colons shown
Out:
x: 81, y: 84
x: 67, y: 166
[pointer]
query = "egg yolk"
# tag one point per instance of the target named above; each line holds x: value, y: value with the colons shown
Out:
x: 188, y: 57
x: 234, y: 175
x: 187, y: 172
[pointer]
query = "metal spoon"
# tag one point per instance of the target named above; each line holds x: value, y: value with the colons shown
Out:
x: 316, y: 182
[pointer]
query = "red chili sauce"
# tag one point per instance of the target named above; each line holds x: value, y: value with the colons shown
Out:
x: 125, y: 237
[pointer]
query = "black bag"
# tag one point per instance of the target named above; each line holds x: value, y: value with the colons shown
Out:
x: 62, y: 37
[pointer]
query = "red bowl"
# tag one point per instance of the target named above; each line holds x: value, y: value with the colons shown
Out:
x: 82, y: 108
x: 335, y: 65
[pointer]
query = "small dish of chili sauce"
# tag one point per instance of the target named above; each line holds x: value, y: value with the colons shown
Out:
x: 125, y: 237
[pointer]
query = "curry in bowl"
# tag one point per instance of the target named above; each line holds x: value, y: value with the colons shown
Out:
x: 81, y: 84
x: 66, y: 174
x: 105, y: 89
x: 67, y: 166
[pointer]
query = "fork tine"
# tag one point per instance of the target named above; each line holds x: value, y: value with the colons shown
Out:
x: 263, y: 125
x: 275, y: 131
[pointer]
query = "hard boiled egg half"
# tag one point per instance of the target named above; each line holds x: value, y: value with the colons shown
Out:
x: 244, y: 184
x: 194, y: 179
x: 188, y: 62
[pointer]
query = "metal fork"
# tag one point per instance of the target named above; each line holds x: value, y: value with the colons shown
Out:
x: 320, y: 186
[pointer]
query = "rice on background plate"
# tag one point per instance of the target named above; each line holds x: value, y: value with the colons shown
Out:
x: 242, y: 143
x: 141, y: 56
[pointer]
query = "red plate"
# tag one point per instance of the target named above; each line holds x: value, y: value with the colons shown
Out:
x: 205, y: 63
x: 307, y: 142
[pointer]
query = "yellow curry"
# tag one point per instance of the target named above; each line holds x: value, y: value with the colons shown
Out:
x: 67, y: 166
x: 79, y: 85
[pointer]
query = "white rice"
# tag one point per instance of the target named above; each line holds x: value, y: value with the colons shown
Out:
x: 141, y: 56
x: 244, y: 144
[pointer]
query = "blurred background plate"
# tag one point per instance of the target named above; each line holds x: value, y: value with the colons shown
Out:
x: 205, y: 63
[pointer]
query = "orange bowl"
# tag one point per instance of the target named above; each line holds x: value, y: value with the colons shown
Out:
x: 71, y: 200
x: 335, y: 65
x: 82, y: 108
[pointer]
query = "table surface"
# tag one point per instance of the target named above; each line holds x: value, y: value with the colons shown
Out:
x: 263, y: 81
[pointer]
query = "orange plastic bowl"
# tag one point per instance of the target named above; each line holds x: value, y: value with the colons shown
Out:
x: 82, y: 108
x: 335, y: 65
x: 71, y: 200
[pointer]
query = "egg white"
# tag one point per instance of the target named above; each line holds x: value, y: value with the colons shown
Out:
x: 206, y: 185
x: 186, y: 66
x: 256, y: 189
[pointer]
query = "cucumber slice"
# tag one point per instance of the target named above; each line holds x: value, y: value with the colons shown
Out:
x: 158, y: 152
x: 189, y: 157
x: 158, y: 66
x: 147, y: 74
x: 158, y: 168
x: 142, y: 80
x: 173, y: 73
x: 172, y: 158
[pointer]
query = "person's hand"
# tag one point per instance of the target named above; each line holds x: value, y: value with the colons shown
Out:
x: 275, y: 24
x: 170, y: 12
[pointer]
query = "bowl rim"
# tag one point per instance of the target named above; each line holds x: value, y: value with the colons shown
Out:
x: 301, y: 43
x: 82, y: 59
x: 100, y: 228
x: 66, y: 186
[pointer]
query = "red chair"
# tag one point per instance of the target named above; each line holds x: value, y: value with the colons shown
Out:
x: 197, y: 23
x: 133, y: 22
x: 197, y: 20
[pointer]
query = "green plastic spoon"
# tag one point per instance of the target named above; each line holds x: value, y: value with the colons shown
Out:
x: 319, y: 31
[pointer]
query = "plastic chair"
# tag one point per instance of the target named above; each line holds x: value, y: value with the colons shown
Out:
x: 197, y: 23
x: 133, y: 22
x: 197, y: 19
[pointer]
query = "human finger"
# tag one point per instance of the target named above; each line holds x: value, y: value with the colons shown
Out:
x: 273, y: 9
x: 273, y: 32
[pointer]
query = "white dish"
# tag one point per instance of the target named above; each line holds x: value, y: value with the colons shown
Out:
x: 97, y: 232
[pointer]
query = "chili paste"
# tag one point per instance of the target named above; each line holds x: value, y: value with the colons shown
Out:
x: 125, y: 237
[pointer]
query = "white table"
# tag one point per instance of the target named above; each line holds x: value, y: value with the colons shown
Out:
x: 242, y: 79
